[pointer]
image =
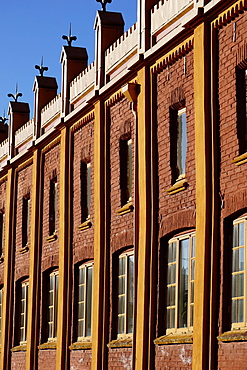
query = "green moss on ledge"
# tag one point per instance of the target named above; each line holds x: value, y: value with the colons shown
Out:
x: 174, y: 339
x: 21, y: 347
x: 120, y: 343
x: 48, y: 345
x: 80, y: 345
x: 233, y: 336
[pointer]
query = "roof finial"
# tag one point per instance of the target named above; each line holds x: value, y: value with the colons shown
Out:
x: 17, y: 94
x: 3, y: 119
x: 41, y: 68
x: 103, y: 3
x: 69, y: 38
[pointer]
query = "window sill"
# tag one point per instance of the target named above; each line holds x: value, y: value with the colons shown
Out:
x: 233, y: 336
x: 121, y: 342
x: 240, y: 159
x: 1, y: 260
x: 85, y: 225
x: 128, y: 207
x: 23, y: 250
x: 174, y: 339
x: 20, y: 348
x: 51, y: 238
x: 180, y: 185
x: 81, y: 345
x: 48, y: 345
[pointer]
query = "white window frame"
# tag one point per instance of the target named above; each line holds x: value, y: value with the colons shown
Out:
x: 85, y: 267
x: 24, y: 311
x: 52, y: 321
x: 175, y: 283
x: 125, y: 294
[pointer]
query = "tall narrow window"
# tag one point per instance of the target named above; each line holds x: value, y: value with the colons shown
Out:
x: 1, y: 312
x: 85, y: 190
x: 126, y: 170
x: 241, y: 96
x: 2, y: 228
x: 23, y: 311
x: 53, y: 305
x: 53, y: 206
x: 25, y: 220
x: 180, y: 282
x: 125, y: 293
x: 85, y: 287
x: 178, y: 143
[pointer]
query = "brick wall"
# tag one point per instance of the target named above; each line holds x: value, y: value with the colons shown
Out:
x: 232, y: 179
x: 18, y: 361
x: 120, y: 358
x: 173, y: 357
x: 47, y: 360
x: 80, y: 359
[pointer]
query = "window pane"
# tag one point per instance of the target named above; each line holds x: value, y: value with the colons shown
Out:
x: 192, y: 293
x: 130, y: 294
x: 192, y: 269
x: 172, y: 247
x: 81, y: 275
x: 121, y: 285
x: 120, y: 324
x: 237, y: 310
x: 171, y: 292
x: 50, y: 328
x: 181, y: 142
x: 241, y: 234
x: 89, y: 301
x: 81, y: 328
x: 238, y: 285
x: 170, y: 318
x: 81, y: 293
x: 183, y: 286
x: 171, y: 279
x: 193, y: 252
x: 121, y: 304
x: 121, y: 267
x: 238, y: 260
x: 81, y: 310
x: 191, y: 315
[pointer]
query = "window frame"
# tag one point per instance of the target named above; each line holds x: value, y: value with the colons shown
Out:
x: 85, y: 176
x: 53, y: 206
x: 191, y: 279
x: 26, y: 217
x: 54, y: 305
x: 126, y: 165
x: 126, y: 294
x: 85, y: 266
x: 23, y: 311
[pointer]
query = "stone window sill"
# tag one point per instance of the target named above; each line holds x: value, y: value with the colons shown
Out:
x: 124, y: 342
x: 81, y: 345
x: 52, y: 238
x: 174, y: 339
x: 179, y: 185
x: 233, y: 336
x: 128, y: 207
x: 85, y: 225
x: 48, y: 345
x: 21, y: 347
x: 24, y: 249
x: 240, y: 159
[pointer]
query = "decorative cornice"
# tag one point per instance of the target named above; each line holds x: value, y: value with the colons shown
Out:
x: 230, y: 14
x: 51, y: 145
x: 24, y: 164
x: 117, y: 96
x: 172, y: 56
x: 82, y: 121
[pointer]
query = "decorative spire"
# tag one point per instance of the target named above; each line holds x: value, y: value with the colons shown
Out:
x: 103, y: 3
x: 41, y: 68
x: 69, y: 38
x: 3, y: 119
x: 17, y: 94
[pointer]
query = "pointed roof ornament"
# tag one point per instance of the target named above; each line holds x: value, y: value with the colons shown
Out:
x: 17, y: 94
x: 103, y: 3
x: 3, y: 119
x: 41, y: 68
x: 69, y: 38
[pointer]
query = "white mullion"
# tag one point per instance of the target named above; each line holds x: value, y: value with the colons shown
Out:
x: 126, y: 297
x: 85, y: 295
x: 177, y: 283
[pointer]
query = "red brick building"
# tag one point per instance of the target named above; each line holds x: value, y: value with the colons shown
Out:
x: 123, y: 210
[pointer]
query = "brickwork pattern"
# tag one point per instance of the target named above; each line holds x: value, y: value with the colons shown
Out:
x: 120, y: 359
x: 80, y: 359
x: 18, y: 361
x: 232, y: 181
x: 47, y: 359
x: 173, y: 357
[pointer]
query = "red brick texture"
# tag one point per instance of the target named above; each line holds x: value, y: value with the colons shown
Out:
x: 120, y: 359
x: 173, y: 357
x: 232, y: 179
x: 18, y: 361
x: 47, y: 360
x: 80, y: 359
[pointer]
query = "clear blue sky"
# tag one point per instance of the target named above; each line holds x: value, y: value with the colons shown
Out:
x: 31, y: 28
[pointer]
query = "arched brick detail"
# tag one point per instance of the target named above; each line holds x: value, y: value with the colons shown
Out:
x: 50, y: 262
x: 21, y: 272
x: 121, y: 240
x: 234, y: 203
x: 180, y: 220
x: 84, y: 253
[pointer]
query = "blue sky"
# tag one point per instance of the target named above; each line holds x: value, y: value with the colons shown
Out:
x: 31, y: 29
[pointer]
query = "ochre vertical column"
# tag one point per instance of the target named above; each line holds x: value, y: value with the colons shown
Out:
x: 7, y: 308
x: 98, y: 339
x: 34, y: 271
x: 64, y: 253
x: 203, y: 195
x: 144, y: 241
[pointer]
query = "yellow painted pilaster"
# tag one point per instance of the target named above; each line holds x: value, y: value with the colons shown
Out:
x: 64, y: 288
x: 144, y: 240
x: 98, y: 341
x: 7, y: 307
x: 203, y: 196
x: 34, y: 271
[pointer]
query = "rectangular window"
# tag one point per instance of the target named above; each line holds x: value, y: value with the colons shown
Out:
x: 85, y: 191
x: 85, y: 290
x: 126, y: 171
x: 23, y: 312
x: 2, y: 228
x: 125, y: 293
x: 241, y: 96
x: 53, y: 206
x: 53, y: 305
x: 180, y: 282
x: 178, y: 132
x: 25, y: 220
